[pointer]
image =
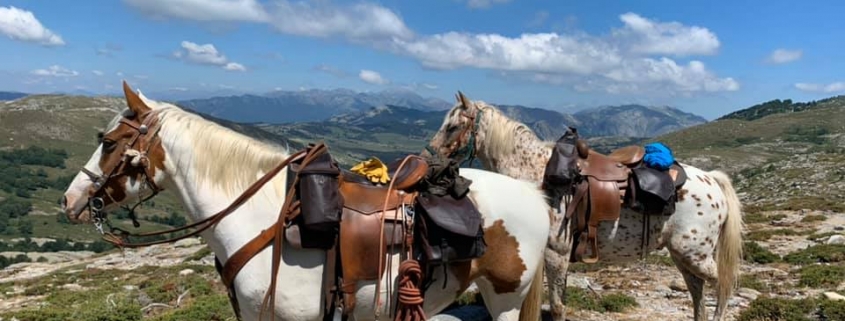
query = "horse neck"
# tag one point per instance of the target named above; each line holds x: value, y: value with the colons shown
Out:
x: 526, y: 161
x: 203, y: 198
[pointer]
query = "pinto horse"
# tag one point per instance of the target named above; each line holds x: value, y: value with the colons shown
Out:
x: 155, y: 146
x: 703, y: 236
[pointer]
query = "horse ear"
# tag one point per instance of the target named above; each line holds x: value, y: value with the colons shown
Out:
x: 463, y: 99
x: 136, y: 105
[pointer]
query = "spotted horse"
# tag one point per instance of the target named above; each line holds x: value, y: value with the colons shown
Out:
x: 703, y: 235
x: 240, y: 200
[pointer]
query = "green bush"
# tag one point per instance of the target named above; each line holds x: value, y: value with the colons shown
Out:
x: 581, y: 299
x: 776, y: 309
x: 753, y: 252
x: 814, y: 218
x: 819, y: 276
x: 822, y: 253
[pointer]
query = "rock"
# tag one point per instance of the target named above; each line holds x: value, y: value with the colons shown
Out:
x: 578, y: 282
x: 72, y: 287
x: 747, y: 293
x: 186, y: 272
x: 678, y: 285
x: 834, y: 296
x: 130, y: 287
x: 836, y: 239
x: 188, y: 242
x: 663, y: 290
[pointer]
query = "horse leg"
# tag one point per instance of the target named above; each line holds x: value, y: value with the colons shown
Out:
x: 695, y: 286
x: 556, y: 257
x: 556, y: 266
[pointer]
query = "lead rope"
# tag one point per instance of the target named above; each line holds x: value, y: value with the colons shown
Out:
x: 410, y: 298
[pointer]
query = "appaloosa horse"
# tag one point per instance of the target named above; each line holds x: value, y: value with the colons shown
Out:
x: 703, y: 236
x: 155, y: 146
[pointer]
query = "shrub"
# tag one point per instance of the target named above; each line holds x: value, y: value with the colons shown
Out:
x: 822, y: 253
x: 769, y: 309
x: 753, y: 252
x: 818, y: 276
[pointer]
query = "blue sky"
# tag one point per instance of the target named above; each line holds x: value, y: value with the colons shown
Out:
x: 708, y: 58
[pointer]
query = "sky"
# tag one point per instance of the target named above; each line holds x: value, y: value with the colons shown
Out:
x: 704, y: 57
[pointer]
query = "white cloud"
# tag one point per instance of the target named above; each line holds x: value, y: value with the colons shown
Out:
x: 834, y: 87
x: 206, y: 54
x: 202, y: 10
x: 22, y: 25
x: 360, y: 22
x: 97, y: 72
x: 119, y: 74
x: 665, y: 38
x: 637, y: 55
x: 782, y: 56
x: 55, y: 71
x: 484, y: 3
x: 372, y: 77
x: 621, y: 62
x: 332, y: 70
x: 234, y: 66
x: 356, y: 22
x: 428, y: 86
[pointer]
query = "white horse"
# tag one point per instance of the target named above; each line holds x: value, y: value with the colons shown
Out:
x: 208, y: 166
x: 704, y: 235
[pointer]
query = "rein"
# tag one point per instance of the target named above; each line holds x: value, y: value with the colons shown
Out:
x: 120, y: 239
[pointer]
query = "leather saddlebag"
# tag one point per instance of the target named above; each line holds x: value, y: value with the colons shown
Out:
x: 450, y: 230
x: 318, y: 192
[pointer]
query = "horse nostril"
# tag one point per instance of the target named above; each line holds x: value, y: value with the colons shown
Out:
x: 63, y: 202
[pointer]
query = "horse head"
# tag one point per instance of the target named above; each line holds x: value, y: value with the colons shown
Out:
x: 127, y: 165
x: 456, y: 138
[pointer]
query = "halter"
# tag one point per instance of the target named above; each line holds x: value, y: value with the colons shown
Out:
x: 137, y: 157
x: 469, y: 149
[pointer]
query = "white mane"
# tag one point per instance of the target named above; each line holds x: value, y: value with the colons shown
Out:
x: 501, y: 131
x: 219, y: 156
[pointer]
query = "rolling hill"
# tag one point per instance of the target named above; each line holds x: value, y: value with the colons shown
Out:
x: 784, y: 160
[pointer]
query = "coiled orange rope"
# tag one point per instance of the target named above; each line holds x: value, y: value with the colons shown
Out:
x: 410, y: 307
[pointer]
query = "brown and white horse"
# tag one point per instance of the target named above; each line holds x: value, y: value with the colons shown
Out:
x: 156, y: 146
x: 703, y: 236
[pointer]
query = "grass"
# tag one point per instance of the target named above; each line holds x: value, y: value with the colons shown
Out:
x: 821, y: 276
x: 755, y: 216
x: 753, y: 252
x: 763, y: 235
x: 822, y: 253
x: 581, y: 299
x: 105, y: 295
x: 814, y: 218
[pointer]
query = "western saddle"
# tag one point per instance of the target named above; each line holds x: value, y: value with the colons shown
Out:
x: 604, y: 184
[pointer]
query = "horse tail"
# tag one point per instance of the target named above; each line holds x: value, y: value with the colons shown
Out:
x: 729, y: 245
x: 531, y: 310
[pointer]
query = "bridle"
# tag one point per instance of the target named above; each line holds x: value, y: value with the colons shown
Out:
x: 133, y: 157
x: 465, y: 145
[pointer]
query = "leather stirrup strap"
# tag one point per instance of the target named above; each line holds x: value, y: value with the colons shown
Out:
x: 580, y: 193
x: 278, y: 239
x: 330, y: 280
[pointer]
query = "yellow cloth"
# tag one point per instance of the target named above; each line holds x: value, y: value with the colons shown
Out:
x: 373, y: 169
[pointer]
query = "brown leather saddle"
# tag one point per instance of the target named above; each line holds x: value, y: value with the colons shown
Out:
x: 360, y: 245
x: 608, y: 184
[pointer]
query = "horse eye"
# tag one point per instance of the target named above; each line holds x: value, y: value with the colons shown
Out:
x: 108, y: 145
x: 100, y: 137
